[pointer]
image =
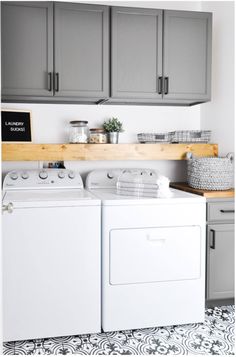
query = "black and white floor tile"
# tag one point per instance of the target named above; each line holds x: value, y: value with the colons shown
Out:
x: 215, y: 337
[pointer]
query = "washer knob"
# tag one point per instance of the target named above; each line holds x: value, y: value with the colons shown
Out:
x: 25, y: 175
x: 71, y: 175
x: 61, y: 174
x: 43, y: 174
x: 14, y: 176
x: 110, y: 176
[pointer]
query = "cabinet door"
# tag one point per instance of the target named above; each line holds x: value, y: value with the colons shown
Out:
x: 136, y: 53
x: 220, y: 274
x: 187, y: 55
x: 81, y: 50
x: 27, y: 48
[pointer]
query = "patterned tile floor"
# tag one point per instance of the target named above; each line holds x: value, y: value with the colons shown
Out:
x: 215, y: 336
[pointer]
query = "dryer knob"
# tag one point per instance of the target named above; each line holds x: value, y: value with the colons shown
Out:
x: 71, y: 175
x: 43, y: 174
x: 14, y: 176
x: 61, y: 174
x: 25, y: 175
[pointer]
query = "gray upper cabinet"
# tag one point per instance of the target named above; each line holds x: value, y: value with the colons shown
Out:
x: 27, y: 48
x: 71, y: 52
x: 52, y: 52
x: 136, y: 53
x: 187, y: 55
x: 81, y: 50
x: 161, y: 56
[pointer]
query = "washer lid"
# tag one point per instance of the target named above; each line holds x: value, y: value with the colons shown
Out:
x: 109, y: 197
x: 38, y: 198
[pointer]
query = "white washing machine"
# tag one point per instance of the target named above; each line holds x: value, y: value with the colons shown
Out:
x: 51, y: 255
x: 153, y: 256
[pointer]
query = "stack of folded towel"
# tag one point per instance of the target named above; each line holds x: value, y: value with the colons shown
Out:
x: 143, y: 183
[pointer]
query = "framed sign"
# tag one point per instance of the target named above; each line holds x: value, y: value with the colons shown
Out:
x: 16, y: 125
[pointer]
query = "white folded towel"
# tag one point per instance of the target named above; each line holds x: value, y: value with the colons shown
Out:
x: 138, y: 189
x: 139, y: 185
x: 143, y: 183
x: 156, y: 194
x: 142, y: 176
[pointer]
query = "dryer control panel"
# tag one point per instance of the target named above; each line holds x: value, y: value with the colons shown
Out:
x: 42, y: 178
x: 103, y: 178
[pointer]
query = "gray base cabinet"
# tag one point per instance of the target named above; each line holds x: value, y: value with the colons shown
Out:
x: 220, y: 250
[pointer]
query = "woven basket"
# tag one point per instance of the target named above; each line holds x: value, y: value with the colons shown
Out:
x: 155, y: 137
x: 210, y: 173
x: 191, y: 136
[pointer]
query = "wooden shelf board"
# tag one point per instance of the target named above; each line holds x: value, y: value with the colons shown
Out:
x: 183, y: 186
x: 68, y: 152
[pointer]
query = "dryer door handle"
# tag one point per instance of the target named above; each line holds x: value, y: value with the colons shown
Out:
x: 158, y: 240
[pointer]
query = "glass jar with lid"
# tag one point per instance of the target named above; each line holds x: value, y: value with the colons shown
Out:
x: 79, y: 132
x: 97, y: 136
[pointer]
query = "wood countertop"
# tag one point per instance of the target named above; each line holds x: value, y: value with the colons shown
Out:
x: 208, y: 194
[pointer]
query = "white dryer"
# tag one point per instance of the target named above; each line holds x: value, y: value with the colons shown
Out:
x: 51, y: 255
x: 153, y: 256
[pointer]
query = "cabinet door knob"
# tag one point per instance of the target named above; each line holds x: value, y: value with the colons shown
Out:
x: 212, y: 239
x: 166, y: 85
x: 160, y: 85
x: 50, y: 81
x: 56, y: 82
x: 227, y: 210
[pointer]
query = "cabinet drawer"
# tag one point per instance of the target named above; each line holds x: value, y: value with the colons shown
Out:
x: 220, y: 211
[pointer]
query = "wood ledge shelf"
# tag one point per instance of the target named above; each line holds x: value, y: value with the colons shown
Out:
x: 81, y: 152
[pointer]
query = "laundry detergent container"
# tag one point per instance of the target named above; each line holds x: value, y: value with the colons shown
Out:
x: 210, y: 173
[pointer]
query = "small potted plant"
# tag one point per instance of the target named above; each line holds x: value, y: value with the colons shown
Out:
x: 113, y: 127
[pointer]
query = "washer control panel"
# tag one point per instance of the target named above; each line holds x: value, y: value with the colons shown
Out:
x: 42, y: 178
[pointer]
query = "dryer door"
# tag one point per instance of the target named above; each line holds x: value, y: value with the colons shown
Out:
x: 155, y: 254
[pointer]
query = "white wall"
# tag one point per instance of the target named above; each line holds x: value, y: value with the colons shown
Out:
x: 50, y: 125
x: 218, y: 115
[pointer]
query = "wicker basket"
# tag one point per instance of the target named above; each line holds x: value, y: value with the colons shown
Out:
x: 155, y: 137
x: 210, y: 173
x: 191, y: 136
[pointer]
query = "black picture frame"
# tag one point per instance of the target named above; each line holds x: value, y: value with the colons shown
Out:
x: 16, y: 125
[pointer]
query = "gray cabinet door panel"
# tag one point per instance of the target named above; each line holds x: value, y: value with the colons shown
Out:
x: 187, y: 54
x: 220, y: 261
x: 136, y: 52
x: 27, y: 48
x: 81, y: 50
